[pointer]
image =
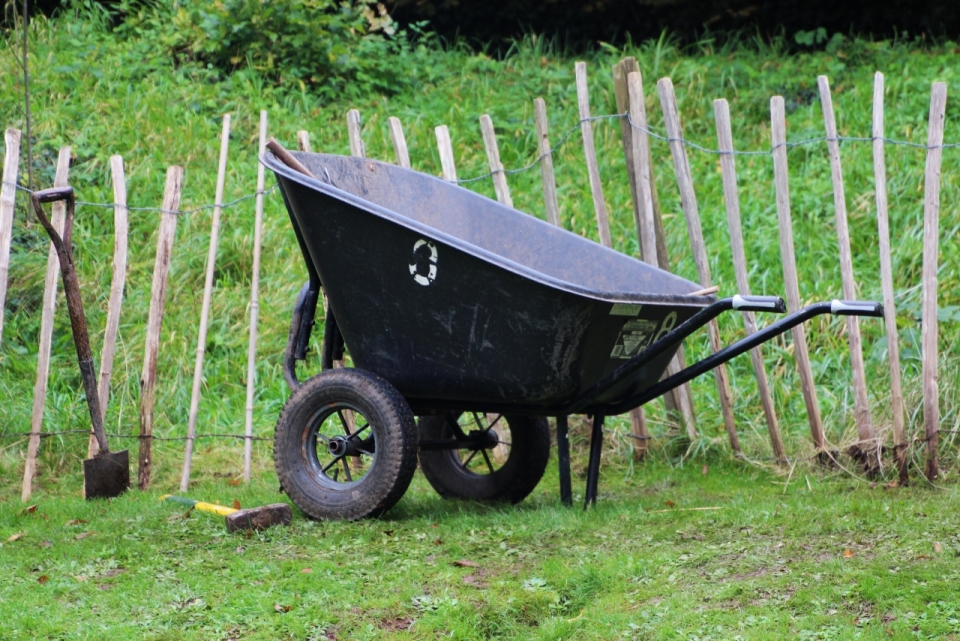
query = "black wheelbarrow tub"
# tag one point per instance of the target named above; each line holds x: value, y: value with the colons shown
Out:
x: 465, y: 304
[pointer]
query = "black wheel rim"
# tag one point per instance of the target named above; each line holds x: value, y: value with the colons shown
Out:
x: 339, y: 446
x: 480, y: 461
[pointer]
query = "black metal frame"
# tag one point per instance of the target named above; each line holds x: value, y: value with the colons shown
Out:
x: 304, y: 312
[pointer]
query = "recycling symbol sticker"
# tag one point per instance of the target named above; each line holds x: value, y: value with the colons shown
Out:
x: 423, y: 265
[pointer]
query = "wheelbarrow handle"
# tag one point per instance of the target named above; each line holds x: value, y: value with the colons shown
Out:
x: 759, y: 304
x: 856, y: 308
x: 53, y: 194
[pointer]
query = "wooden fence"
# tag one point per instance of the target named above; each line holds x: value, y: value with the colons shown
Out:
x: 640, y: 168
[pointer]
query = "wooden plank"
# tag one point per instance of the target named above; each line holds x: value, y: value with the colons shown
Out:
x: 731, y: 195
x: 353, y: 131
x: 158, y: 297
x: 590, y: 152
x: 778, y: 139
x: 653, y: 243
x: 868, y: 449
x: 303, y: 138
x: 205, y: 305
x: 51, y: 282
x: 688, y: 202
x: 500, y: 185
x: 120, y: 243
x: 8, y: 198
x: 445, y: 148
x: 399, y: 142
x: 255, y: 296
x: 931, y: 249
x: 547, y: 178
x: 886, y: 280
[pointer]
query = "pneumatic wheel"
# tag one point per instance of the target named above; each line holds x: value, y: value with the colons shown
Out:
x: 484, y: 471
x: 345, y: 446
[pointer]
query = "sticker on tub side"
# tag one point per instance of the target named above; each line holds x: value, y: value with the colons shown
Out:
x: 423, y: 265
x: 634, y: 337
x: 625, y: 309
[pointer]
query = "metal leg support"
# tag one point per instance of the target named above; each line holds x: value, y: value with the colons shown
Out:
x: 593, y: 471
x: 563, y: 460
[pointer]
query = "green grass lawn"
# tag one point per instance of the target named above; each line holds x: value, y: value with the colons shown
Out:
x: 812, y: 556
x: 796, y: 552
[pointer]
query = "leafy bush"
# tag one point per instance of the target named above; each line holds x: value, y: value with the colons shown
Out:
x: 323, y: 44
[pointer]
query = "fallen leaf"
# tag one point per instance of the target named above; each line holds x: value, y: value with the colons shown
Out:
x: 28, y: 510
x: 466, y: 563
x: 848, y: 553
x: 306, y: 571
x: 388, y: 532
x: 937, y: 548
x: 15, y: 537
x: 75, y: 522
x: 891, y: 485
x: 83, y: 535
x: 240, y: 549
x: 704, y: 470
x: 438, y: 542
x: 236, y: 504
x: 234, y: 481
x: 46, y: 544
x: 104, y: 586
x: 43, y: 578
x: 669, y: 503
x: 282, y: 608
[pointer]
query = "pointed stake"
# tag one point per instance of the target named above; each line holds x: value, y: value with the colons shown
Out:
x: 303, y: 139
x: 51, y: 283
x: 547, y: 178
x: 493, y: 158
x: 590, y: 152
x: 447, y: 165
x: 158, y: 298
x: 353, y: 131
x: 8, y: 197
x: 399, y: 142
x: 205, y: 305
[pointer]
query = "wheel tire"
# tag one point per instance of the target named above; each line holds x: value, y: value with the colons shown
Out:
x: 302, y: 448
x: 511, y: 483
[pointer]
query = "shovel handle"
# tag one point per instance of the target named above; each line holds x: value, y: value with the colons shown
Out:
x: 71, y: 290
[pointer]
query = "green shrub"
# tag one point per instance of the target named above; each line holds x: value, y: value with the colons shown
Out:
x: 322, y: 44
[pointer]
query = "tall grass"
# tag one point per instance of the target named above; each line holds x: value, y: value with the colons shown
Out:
x: 105, y: 95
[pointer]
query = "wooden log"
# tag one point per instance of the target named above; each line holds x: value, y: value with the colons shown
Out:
x: 399, y: 142
x: 8, y: 199
x: 500, y: 185
x: 547, y: 178
x: 886, y: 280
x: 652, y: 240
x: 255, y: 296
x: 205, y: 305
x: 931, y: 250
x: 445, y: 148
x: 868, y: 448
x: 590, y: 152
x: 353, y: 131
x: 120, y: 242
x: 688, y: 202
x: 303, y: 138
x: 51, y: 284
x: 778, y: 139
x: 731, y: 195
x: 158, y: 297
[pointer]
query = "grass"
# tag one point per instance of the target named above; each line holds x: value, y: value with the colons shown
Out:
x: 770, y: 563
x: 810, y: 557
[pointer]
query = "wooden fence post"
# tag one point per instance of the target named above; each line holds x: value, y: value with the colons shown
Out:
x: 778, y: 139
x: 688, y: 201
x: 303, y: 138
x: 353, y: 131
x: 589, y: 150
x: 8, y: 199
x: 931, y: 249
x: 51, y: 285
x: 205, y: 305
x: 731, y: 196
x: 158, y: 296
x: 255, y: 295
x: 493, y: 158
x: 547, y: 178
x: 445, y: 148
x: 120, y: 242
x: 652, y: 240
x: 886, y: 279
x: 868, y: 449
x: 399, y: 142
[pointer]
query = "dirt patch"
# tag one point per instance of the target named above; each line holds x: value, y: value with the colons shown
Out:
x: 399, y: 624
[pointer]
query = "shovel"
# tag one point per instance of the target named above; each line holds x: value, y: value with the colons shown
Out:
x: 108, y: 473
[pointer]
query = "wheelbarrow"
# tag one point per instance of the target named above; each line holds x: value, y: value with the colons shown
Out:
x: 478, y: 319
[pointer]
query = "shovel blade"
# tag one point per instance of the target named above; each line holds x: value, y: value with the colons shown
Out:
x: 106, y: 475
